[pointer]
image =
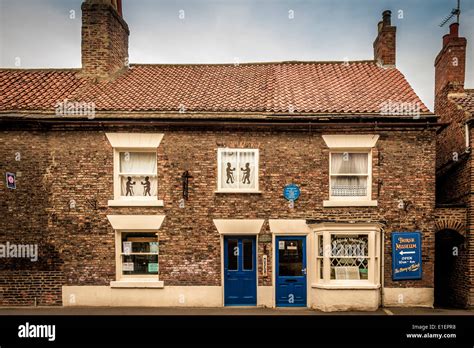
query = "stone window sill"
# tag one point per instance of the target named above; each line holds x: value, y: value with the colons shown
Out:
x: 137, y: 284
x: 239, y: 191
x: 349, y: 203
x: 137, y: 203
x: 346, y: 286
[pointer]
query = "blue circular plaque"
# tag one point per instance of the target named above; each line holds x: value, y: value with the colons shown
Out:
x: 291, y: 192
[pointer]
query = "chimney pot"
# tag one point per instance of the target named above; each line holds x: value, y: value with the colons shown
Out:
x: 380, y: 26
x: 454, y: 30
x: 387, y: 18
x: 446, y: 39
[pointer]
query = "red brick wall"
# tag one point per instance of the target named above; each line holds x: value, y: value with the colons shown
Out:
x: 29, y: 288
x: 58, y: 166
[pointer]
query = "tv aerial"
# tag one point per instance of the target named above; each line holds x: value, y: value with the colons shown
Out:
x: 454, y: 12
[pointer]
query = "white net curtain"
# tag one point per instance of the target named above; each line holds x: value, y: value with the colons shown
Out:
x: 349, y: 173
x: 138, y: 174
x: 238, y: 169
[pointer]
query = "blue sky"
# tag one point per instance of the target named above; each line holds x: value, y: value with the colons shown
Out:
x: 41, y: 33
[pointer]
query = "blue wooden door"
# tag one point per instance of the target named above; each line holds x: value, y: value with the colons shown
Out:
x: 290, y: 271
x: 240, y: 276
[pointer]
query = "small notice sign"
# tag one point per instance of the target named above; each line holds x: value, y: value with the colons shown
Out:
x: 154, y: 247
x: 127, y: 247
x: 153, y: 267
x: 291, y: 192
x: 264, y: 265
x: 11, y: 180
x: 127, y: 267
x: 281, y: 245
x: 406, y: 255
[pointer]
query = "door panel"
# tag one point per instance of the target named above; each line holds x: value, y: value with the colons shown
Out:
x: 240, y: 276
x: 290, y: 271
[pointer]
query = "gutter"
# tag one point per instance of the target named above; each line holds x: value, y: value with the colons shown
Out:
x: 50, y: 123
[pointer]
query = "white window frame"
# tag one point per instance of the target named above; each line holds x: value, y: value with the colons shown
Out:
x: 351, y: 143
x: 131, y: 224
x: 374, y: 255
x: 365, y: 198
x: 117, y: 176
x: 119, y: 260
x: 133, y: 142
x: 219, y: 176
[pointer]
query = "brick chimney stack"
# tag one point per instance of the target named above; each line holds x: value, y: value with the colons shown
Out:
x: 450, y: 65
x: 385, y: 43
x: 104, y: 39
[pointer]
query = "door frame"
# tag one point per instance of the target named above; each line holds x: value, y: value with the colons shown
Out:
x: 243, y: 235
x: 305, y: 262
x: 237, y: 227
x: 293, y: 228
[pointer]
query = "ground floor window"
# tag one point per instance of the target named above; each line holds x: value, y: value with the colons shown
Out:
x: 345, y: 256
x: 139, y: 253
x: 349, y: 256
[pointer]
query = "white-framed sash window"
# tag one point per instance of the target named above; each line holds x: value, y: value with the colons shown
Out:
x: 350, y: 170
x: 136, y: 250
x: 135, y: 169
x: 137, y: 175
x: 350, y: 175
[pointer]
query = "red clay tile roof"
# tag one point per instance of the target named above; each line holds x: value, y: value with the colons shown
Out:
x: 36, y: 89
x: 304, y: 87
x: 466, y: 101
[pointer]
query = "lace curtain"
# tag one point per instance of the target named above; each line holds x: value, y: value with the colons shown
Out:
x: 342, y: 166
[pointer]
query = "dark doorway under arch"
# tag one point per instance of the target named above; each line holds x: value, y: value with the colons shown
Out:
x: 449, y: 269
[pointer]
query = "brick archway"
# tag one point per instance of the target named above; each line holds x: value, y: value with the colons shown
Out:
x: 451, y: 219
x: 451, y: 224
x: 450, y: 257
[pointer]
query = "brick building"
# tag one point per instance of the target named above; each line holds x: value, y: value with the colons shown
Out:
x: 454, y: 244
x: 268, y: 184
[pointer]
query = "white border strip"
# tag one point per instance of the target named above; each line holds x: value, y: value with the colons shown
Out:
x: 134, y: 140
x: 344, y: 141
x: 136, y: 222
x: 239, y: 226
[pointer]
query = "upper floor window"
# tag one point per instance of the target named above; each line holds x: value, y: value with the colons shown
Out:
x: 349, y: 175
x: 138, y: 175
x: 135, y: 169
x: 350, y: 170
x: 237, y: 170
